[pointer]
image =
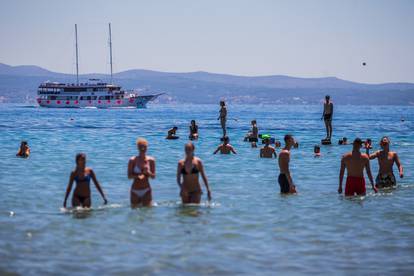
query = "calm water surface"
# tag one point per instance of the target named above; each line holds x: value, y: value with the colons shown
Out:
x: 249, y: 228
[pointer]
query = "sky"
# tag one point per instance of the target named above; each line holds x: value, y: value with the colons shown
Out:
x: 318, y: 38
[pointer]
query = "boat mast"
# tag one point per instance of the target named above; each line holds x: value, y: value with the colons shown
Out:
x: 110, y: 48
x: 77, y: 63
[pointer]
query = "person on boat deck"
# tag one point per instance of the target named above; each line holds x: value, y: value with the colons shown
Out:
x: 223, y: 117
x: 82, y: 175
x: 327, y: 116
x: 225, y: 147
x: 172, y: 133
x: 193, y: 130
x: 141, y: 168
x: 24, y: 150
x: 355, y: 163
x: 386, y: 161
x: 267, y: 151
x: 285, y: 179
x: 188, y: 172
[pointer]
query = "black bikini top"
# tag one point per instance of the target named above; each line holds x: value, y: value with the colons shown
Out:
x: 194, y: 170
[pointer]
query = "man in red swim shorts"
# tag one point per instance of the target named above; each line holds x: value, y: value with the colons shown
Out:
x: 355, y: 162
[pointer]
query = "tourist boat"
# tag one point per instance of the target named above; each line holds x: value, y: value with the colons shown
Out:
x: 91, y: 94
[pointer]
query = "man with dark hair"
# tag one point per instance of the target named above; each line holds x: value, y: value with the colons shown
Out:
x: 327, y: 116
x: 172, y: 133
x: 355, y: 162
x: 225, y: 148
x: 285, y: 180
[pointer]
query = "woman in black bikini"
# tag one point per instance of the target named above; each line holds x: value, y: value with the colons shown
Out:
x: 140, y: 169
x: 193, y: 130
x: 189, y: 168
x: 82, y: 175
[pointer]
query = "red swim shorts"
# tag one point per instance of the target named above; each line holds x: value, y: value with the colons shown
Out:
x: 355, y: 185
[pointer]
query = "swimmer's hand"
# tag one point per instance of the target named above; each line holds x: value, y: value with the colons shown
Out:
x: 340, y: 190
x: 105, y: 201
x: 209, y: 195
x: 401, y: 175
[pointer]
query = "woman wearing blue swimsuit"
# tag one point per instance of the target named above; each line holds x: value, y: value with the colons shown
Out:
x: 140, y: 169
x: 82, y: 175
x: 188, y: 171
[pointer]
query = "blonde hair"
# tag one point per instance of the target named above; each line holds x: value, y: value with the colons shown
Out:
x: 142, y: 141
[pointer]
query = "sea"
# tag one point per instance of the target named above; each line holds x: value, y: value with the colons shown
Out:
x: 248, y: 228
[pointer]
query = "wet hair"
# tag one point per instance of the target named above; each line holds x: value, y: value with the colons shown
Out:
x: 254, y: 122
x: 174, y: 127
x: 24, y: 143
x: 369, y: 140
x: 386, y: 137
x: 222, y: 103
x: 327, y: 97
x: 193, y: 121
x: 226, y: 139
x: 357, y: 141
x: 79, y: 156
x: 287, y: 137
x: 344, y: 139
x: 340, y: 142
x: 190, y: 144
x: 142, y: 141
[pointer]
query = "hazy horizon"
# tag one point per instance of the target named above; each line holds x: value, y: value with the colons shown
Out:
x: 296, y: 38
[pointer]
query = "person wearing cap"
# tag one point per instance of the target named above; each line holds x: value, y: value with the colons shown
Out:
x: 386, y: 161
x: 355, y: 162
x: 225, y: 148
x: 327, y: 116
x: 267, y: 151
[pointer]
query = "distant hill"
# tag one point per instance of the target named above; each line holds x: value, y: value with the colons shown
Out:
x: 19, y: 84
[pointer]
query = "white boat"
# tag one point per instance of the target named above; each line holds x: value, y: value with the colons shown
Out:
x: 91, y: 94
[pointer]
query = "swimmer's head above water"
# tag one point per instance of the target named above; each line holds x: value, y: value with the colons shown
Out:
x: 226, y: 140
x: 327, y: 98
x: 222, y: 103
x: 357, y: 144
x: 385, y: 142
x: 289, y: 140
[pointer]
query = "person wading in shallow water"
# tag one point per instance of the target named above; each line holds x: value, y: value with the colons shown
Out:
x: 225, y: 148
x: 327, y: 116
x: 285, y: 179
x: 355, y: 162
x: 189, y: 170
x: 82, y: 175
x: 386, y: 161
x: 141, y: 168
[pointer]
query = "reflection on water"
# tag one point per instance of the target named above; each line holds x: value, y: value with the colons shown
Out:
x: 247, y: 228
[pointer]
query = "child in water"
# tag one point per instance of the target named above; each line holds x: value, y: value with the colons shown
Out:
x: 317, y: 151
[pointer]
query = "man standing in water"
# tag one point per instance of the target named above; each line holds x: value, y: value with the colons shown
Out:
x: 267, y: 151
x: 327, y: 116
x: 355, y: 162
x: 223, y: 117
x: 386, y: 160
x: 285, y: 180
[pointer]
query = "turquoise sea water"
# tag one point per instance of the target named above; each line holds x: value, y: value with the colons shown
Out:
x: 249, y: 228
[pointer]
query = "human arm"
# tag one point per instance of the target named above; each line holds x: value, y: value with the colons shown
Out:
x: 217, y: 150
x: 205, y: 180
x: 98, y: 186
x: 233, y: 150
x: 341, y: 175
x: 179, y: 168
x: 399, y: 166
x: 374, y: 155
x: 274, y: 153
x: 371, y: 179
x: 69, y: 188
x: 151, y: 172
x: 131, y: 174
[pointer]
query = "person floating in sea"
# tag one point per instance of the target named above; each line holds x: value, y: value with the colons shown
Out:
x: 188, y: 171
x: 386, y: 160
x: 24, y: 150
x: 285, y: 179
x: 317, y: 151
x: 193, y: 130
x: 355, y: 162
x: 343, y: 141
x: 225, y: 147
x: 223, y: 117
x: 327, y: 116
x: 267, y: 151
x: 172, y: 134
x: 82, y: 175
x: 141, y: 168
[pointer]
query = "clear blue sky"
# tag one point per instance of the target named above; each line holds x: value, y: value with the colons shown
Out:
x: 260, y: 37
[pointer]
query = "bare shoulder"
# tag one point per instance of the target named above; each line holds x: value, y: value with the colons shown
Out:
x: 151, y: 159
x: 346, y: 155
x: 132, y: 158
x: 284, y: 153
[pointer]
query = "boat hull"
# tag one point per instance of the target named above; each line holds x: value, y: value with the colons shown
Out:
x: 136, y: 102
